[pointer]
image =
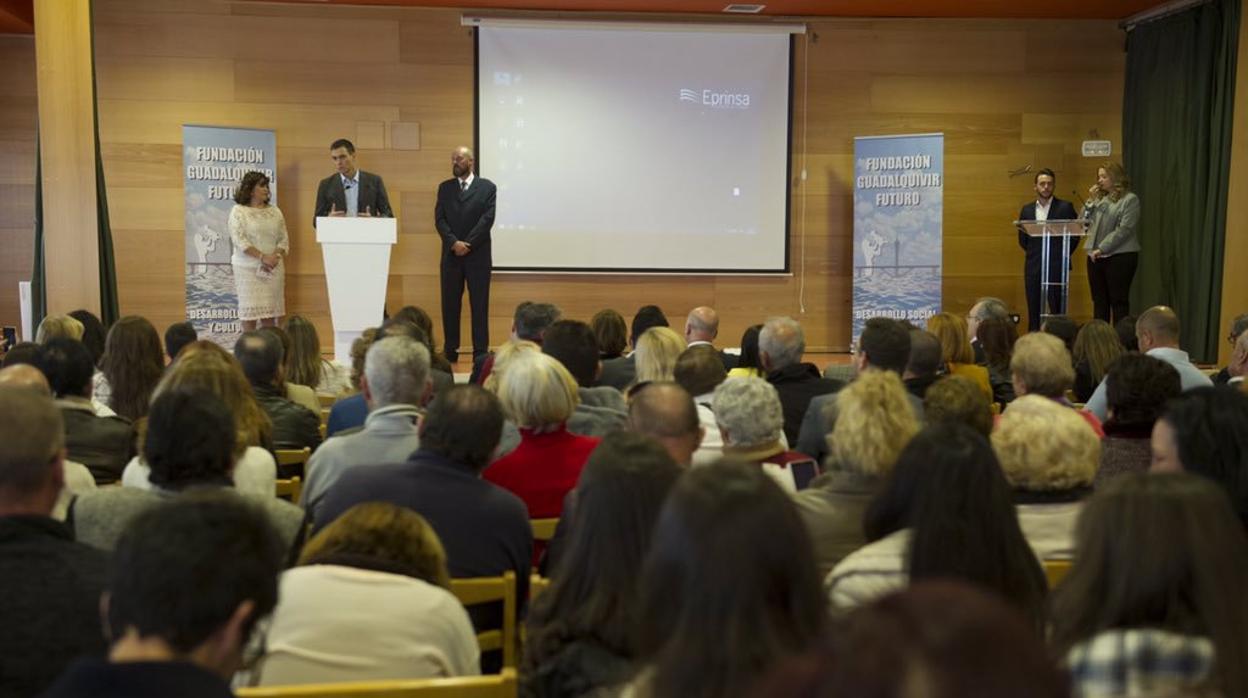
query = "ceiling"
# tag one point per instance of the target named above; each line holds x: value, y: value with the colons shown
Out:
x: 17, y: 16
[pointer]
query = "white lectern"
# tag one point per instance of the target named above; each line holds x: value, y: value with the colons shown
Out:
x: 1070, y: 231
x: 357, y: 265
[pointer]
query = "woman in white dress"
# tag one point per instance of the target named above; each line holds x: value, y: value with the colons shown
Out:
x: 258, y: 231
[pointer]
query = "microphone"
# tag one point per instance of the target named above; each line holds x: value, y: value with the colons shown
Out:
x: 1082, y: 202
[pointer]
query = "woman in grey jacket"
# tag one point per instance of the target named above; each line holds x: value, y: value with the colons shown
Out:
x: 1113, y: 245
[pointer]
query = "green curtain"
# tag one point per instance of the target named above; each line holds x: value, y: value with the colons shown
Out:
x: 109, y: 306
x: 1178, y: 107
x: 38, y: 283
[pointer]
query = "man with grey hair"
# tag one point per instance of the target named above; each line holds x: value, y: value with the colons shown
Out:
x: 780, y: 347
x: 702, y: 327
x: 50, y: 589
x: 1237, y: 369
x: 749, y: 414
x: 1238, y: 329
x: 985, y: 308
x: 395, y: 385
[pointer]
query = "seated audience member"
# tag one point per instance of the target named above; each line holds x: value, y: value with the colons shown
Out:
x: 188, y: 446
x: 419, y: 317
x: 884, y: 345
x: 750, y: 419
x: 50, y: 588
x: 304, y: 364
x: 701, y: 328
x: 350, y: 412
x: 93, y: 334
x: 996, y: 340
x: 1154, y: 603
x: 923, y: 367
x: 621, y: 372
x: 103, y: 444
x: 875, y: 423
x: 655, y: 354
x: 956, y: 353
x: 984, y: 309
x: 178, y: 335
x: 699, y: 370
x: 1236, y: 336
x: 1041, y: 366
x: 601, y: 409
x: 390, y: 616
x: 748, y: 363
x: 187, y: 584
x: 945, y: 512
x: 936, y: 639
x: 957, y: 400
x: 700, y: 636
x: 1137, y: 389
x: 59, y: 327
x: 1063, y: 328
x: 611, y: 332
x: 1205, y: 432
x: 294, y: 426
x: 203, y: 365
x: 132, y: 366
x: 1096, y: 348
x: 666, y: 413
x: 1237, y: 369
x: 395, y: 384
x: 529, y: 324
x: 22, y: 353
x: 1125, y: 329
x: 580, y: 635
x: 539, y: 395
x: 298, y: 394
x: 1157, y: 332
x: 484, y: 528
x: 781, y: 344
x: 1049, y: 456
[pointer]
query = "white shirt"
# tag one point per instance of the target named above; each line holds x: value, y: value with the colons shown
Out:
x: 1042, y: 210
x: 351, y: 188
x: 255, y: 473
x: 466, y: 182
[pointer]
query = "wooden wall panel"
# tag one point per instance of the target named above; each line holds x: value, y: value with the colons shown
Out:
x: 1234, y: 288
x: 18, y: 114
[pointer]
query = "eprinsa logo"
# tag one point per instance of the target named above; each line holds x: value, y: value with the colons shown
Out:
x: 714, y: 99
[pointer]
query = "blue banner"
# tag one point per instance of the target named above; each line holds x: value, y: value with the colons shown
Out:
x: 214, y: 160
x: 898, y: 210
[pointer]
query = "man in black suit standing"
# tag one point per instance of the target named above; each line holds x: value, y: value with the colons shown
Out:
x: 350, y: 192
x: 1046, y: 207
x: 464, y: 215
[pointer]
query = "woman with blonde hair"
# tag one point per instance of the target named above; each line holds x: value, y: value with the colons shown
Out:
x: 391, y: 615
x: 206, y: 366
x: 306, y: 366
x: 1113, y: 246
x: 54, y: 326
x: 956, y: 351
x: 1096, y: 347
x: 656, y: 354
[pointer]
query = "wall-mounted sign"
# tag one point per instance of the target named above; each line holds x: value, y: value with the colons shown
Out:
x: 1097, y: 149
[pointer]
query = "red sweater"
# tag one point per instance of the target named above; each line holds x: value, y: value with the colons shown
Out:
x: 543, y: 468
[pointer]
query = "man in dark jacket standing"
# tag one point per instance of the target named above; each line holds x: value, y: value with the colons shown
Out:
x: 464, y: 216
x: 1046, y: 207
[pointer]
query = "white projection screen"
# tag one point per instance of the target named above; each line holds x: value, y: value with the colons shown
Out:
x: 658, y: 148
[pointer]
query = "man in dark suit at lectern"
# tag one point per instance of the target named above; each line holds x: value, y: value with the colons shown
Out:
x: 350, y: 192
x: 1046, y: 207
x: 464, y: 215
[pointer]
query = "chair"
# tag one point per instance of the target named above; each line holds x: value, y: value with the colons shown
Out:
x: 501, y: 685
x: 326, y: 400
x: 291, y: 489
x: 479, y: 590
x: 292, y: 461
x: 544, y: 529
x: 1056, y: 571
x: 537, y: 584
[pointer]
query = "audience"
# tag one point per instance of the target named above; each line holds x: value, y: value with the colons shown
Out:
x: 260, y: 356
x: 22, y: 353
x: 187, y: 584
x: 417, y: 316
x: 395, y: 385
x: 956, y: 353
x: 701, y: 328
x: 1096, y: 348
x: 1205, y: 432
x: 1137, y: 389
x: 875, y: 424
x: 957, y: 400
x: 298, y: 394
x: 1063, y: 328
x: 996, y: 343
x: 700, y: 636
x: 781, y: 344
x: 924, y: 365
x: 187, y: 446
x: 750, y: 419
x: 1157, y: 332
x: 304, y: 364
x: 621, y: 372
x: 699, y: 370
x: 391, y: 615
x: 59, y: 327
x: 1154, y: 603
x: 131, y: 367
x: 655, y: 354
x: 611, y: 332
x: 666, y: 413
x: 93, y: 334
x: 986, y: 308
x: 178, y: 335
x: 1041, y: 366
x: 580, y: 629
x: 1125, y: 329
x: 529, y: 324
x: 1049, y: 456
x: 945, y: 512
x: 1237, y: 369
x: 1236, y: 336
x: 103, y: 444
x: 601, y: 409
x: 748, y: 363
x: 50, y: 588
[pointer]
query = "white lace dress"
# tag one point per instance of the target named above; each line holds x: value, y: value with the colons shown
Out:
x: 261, y: 294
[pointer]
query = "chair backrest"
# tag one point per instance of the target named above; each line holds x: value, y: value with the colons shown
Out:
x: 291, y: 489
x: 544, y: 529
x: 503, y: 685
x: 1056, y: 571
x: 537, y: 585
x: 480, y: 590
x: 326, y: 399
x: 293, y: 456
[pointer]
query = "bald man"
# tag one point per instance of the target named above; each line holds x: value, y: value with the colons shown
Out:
x: 702, y: 327
x: 665, y: 412
x: 26, y: 376
x: 464, y: 215
x: 1157, y: 331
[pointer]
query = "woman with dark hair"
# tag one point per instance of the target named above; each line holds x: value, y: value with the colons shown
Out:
x: 304, y: 364
x: 1137, y: 388
x: 729, y: 587
x: 612, y: 333
x: 418, y: 317
x: 1064, y: 329
x: 133, y: 363
x: 580, y: 634
x: 946, y: 511
x: 748, y: 364
x: 258, y: 231
x: 996, y: 336
x: 1205, y: 431
x: 1113, y: 213
x: 1096, y: 347
x: 93, y: 333
x: 1154, y: 603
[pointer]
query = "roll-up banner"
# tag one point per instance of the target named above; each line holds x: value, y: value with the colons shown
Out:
x: 214, y: 160
x: 898, y: 209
